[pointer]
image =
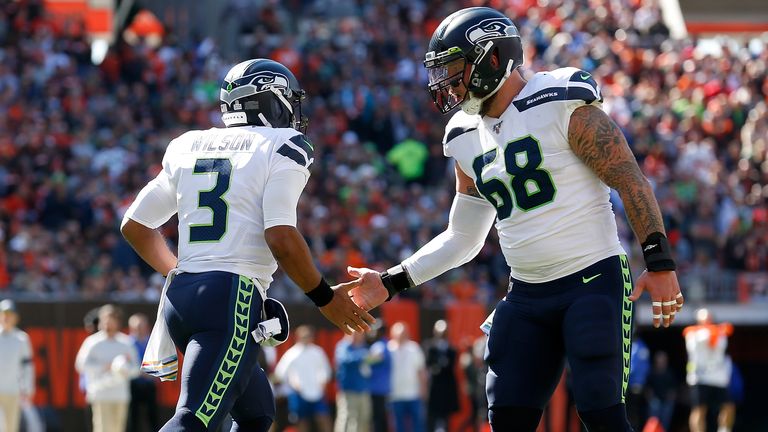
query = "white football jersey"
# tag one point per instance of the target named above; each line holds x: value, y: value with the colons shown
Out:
x: 215, y: 180
x: 554, y: 216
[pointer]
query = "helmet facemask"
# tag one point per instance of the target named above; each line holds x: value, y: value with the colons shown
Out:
x: 446, y: 79
x: 490, y: 45
x: 298, y: 121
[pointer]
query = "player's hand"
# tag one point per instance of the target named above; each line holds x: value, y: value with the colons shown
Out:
x: 344, y: 313
x: 666, y: 298
x: 370, y: 292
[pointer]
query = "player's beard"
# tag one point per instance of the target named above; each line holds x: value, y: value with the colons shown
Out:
x: 487, y: 104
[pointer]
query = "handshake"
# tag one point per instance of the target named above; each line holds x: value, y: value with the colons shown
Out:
x: 346, y: 305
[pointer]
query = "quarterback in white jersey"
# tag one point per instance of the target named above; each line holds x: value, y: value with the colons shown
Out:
x: 235, y: 191
x: 538, y: 158
x: 216, y: 180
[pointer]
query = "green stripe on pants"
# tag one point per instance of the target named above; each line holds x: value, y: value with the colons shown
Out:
x: 234, y: 353
x: 626, y: 324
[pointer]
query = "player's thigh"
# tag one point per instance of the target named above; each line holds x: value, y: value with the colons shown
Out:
x: 219, y: 363
x: 256, y: 401
x: 214, y: 376
x: 524, y: 356
x: 597, y: 329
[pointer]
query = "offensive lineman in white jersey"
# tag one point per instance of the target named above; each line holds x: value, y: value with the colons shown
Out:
x: 235, y: 190
x: 538, y: 157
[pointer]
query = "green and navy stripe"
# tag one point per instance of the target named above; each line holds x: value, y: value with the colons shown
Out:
x: 626, y: 324
x: 235, y: 351
x: 299, y: 150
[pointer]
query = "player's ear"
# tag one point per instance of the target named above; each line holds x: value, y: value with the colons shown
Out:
x: 495, y: 58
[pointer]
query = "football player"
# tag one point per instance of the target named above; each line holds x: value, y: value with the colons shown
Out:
x: 235, y: 190
x: 538, y: 158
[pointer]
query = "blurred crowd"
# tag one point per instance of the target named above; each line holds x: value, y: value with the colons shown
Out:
x: 385, y: 381
x: 78, y: 140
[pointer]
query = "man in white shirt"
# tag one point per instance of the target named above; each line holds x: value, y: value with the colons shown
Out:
x: 709, y: 369
x: 17, y: 380
x: 108, y: 359
x: 306, y: 370
x: 409, y: 380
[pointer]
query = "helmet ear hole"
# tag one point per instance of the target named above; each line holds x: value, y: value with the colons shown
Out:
x: 494, y: 60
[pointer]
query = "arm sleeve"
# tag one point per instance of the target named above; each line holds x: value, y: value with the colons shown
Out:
x: 468, y: 225
x: 154, y: 204
x: 27, y: 370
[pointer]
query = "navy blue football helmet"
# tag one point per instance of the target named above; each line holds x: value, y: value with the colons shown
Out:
x: 262, y: 92
x: 470, y: 37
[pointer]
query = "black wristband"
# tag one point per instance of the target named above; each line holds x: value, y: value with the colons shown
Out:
x: 396, y: 280
x: 657, y: 253
x: 321, y: 295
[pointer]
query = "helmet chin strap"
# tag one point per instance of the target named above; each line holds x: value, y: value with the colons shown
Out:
x: 473, y: 104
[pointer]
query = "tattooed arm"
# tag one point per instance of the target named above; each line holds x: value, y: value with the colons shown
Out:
x: 465, y: 184
x: 601, y: 145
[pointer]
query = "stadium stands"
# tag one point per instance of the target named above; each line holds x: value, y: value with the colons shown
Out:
x: 77, y: 140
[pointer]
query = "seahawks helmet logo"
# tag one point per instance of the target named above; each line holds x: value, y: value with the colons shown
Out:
x: 252, y: 84
x: 489, y: 29
x: 268, y: 80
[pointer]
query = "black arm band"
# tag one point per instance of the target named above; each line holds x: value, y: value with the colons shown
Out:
x: 657, y: 253
x: 396, y: 280
x: 321, y: 295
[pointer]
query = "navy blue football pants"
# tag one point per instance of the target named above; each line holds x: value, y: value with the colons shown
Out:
x: 586, y: 318
x: 210, y: 316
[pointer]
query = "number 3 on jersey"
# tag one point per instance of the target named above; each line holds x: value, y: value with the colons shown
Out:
x: 212, y: 199
x: 531, y: 186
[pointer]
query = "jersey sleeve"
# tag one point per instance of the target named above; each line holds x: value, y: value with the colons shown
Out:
x: 582, y: 89
x: 156, y: 202
x: 296, y: 152
x: 281, y: 196
x: 459, y: 125
x: 288, y: 175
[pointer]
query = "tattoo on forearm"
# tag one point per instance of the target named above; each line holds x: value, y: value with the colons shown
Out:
x: 472, y: 190
x: 600, y: 144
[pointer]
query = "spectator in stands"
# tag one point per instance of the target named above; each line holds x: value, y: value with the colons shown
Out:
x: 108, y: 359
x: 17, y: 373
x: 306, y: 370
x: 409, y: 380
x: 380, y: 361
x: 443, y: 392
x: 639, y: 368
x: 353, y: 372
x: 143, y: 386
x: 709, y: 369
x: 661, y: 390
